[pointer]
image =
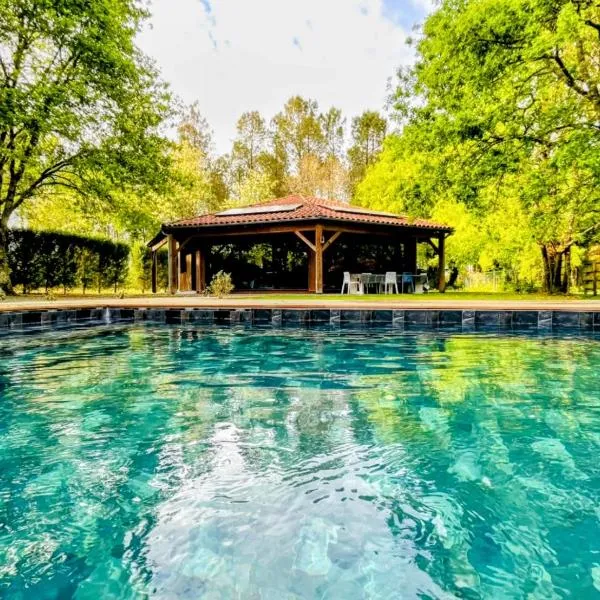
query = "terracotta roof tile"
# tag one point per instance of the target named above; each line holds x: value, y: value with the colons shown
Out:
x: 309, y: 208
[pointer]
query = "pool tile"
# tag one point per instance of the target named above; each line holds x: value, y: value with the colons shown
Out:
x: 562, y: 319
x: 425, y: 318
x: 97, y: 314
x: 293, y: 316
x: 398, y: 318
x: 262, y: 316
x: 525, y: 318
x: 468, y: 319
x: 450, y: 317
x: 319, y: 316
x: 545, y: 319
x: 276, y: 318
x: 222, y: 316
x: 15, y: 320
x: 32, y: 318
x: 352, y: 316
x: 382, y: 317
x: 486, y: 319
x: 335, y: 317
x: 241, y: 316
x: 586, y: 320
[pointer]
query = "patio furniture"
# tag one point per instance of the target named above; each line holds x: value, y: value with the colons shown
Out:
x: 390, y: 282
x: 420, y: 281
x: 407, y: 280
x: 351, y: 282
x: 368, y: 280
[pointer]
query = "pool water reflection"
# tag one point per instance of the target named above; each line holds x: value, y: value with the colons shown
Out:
x: 220, y: 463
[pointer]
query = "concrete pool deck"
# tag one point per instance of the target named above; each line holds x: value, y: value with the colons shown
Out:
x: 309, y: 303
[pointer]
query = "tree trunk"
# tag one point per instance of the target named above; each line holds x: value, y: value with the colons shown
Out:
x: 566, y: 280
x: 553, y: 267
x: 5, y: 281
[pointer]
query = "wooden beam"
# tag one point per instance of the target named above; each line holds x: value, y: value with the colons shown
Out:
x: 311, y: 271
x: 185, y: 242
x: 154, y: 270
x: 186, y: 283
x: 305, y: 239
x: 332, y: 239
x: 158, y: 245
x: 219, y: 234
x: 200, y: 271
x: 319, y: 259
x: 441, y: 264
x: 432, y: 244
x: 173, y: 264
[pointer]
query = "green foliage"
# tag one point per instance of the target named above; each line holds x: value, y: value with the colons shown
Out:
x: 220, y: 285
x: 368, y: 133
x: 80, y: 106
x: 43, y: 260
x: 500, y: 121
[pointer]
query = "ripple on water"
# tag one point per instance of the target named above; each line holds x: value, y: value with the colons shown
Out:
x: 178, y: 463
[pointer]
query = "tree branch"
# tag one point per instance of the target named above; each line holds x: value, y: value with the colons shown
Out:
x: 570, y: 80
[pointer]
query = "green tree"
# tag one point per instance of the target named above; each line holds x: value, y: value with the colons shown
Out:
x: 250, y: 141
x: 80, y: 106
x: 501, y: 108
x: 297, y: 131
x: 194, y: 130
x: 334, y: 171
x: 368, y: 133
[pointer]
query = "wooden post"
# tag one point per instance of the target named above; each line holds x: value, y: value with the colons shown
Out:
x: 319, y: 259
x: 154, y: 272
x: 173, y: 264
x: 311, y: 270
x: 441, y: 263
x: 200, y: 272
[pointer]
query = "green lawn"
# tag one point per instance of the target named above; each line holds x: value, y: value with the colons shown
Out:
x: 435, y: 296
x: 447, y: 296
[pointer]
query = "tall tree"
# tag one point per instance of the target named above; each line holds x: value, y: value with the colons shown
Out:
x: 368, y: 133
x: 298, y: 131
x: 334, y: 171
x: 194, y: 130
x: 80, y: 106
x: 250, y: 141
x: 508, y: 95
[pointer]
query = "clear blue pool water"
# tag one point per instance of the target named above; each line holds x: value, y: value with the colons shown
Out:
x: 164, y: 462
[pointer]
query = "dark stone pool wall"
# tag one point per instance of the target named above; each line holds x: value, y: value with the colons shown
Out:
x: 465, y: 320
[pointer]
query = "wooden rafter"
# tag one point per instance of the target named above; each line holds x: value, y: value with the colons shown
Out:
x: 332, y: 239
x: 305, y: 239
x: 432, y: 244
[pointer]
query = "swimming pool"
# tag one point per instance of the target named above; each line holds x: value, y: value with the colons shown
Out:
x: 175, y: 462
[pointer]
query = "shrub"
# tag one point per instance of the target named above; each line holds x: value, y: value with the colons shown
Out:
x: 40, y: 259
x: 221, y: 285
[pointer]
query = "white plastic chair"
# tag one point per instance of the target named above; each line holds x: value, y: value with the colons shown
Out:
x: 367, y: 281
x: 390, y: 282
x: 349, y: 283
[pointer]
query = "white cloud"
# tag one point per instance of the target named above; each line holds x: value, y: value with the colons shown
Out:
x: 239, y: 55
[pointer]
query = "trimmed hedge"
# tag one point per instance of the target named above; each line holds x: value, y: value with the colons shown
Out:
x: 40, y: 259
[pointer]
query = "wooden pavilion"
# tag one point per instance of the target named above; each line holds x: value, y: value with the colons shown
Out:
x: 308, y: 241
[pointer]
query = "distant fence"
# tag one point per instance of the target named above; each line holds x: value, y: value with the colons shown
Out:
x: 487, y: 280
x: 47, y: 260
x: 591, y: 271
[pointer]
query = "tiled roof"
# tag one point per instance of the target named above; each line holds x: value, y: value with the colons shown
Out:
x: 309, y: 209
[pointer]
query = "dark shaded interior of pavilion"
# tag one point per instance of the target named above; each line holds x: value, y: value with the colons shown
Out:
x: 281, y: 263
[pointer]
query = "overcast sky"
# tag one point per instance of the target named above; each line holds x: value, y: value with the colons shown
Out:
x: 238, y: 55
